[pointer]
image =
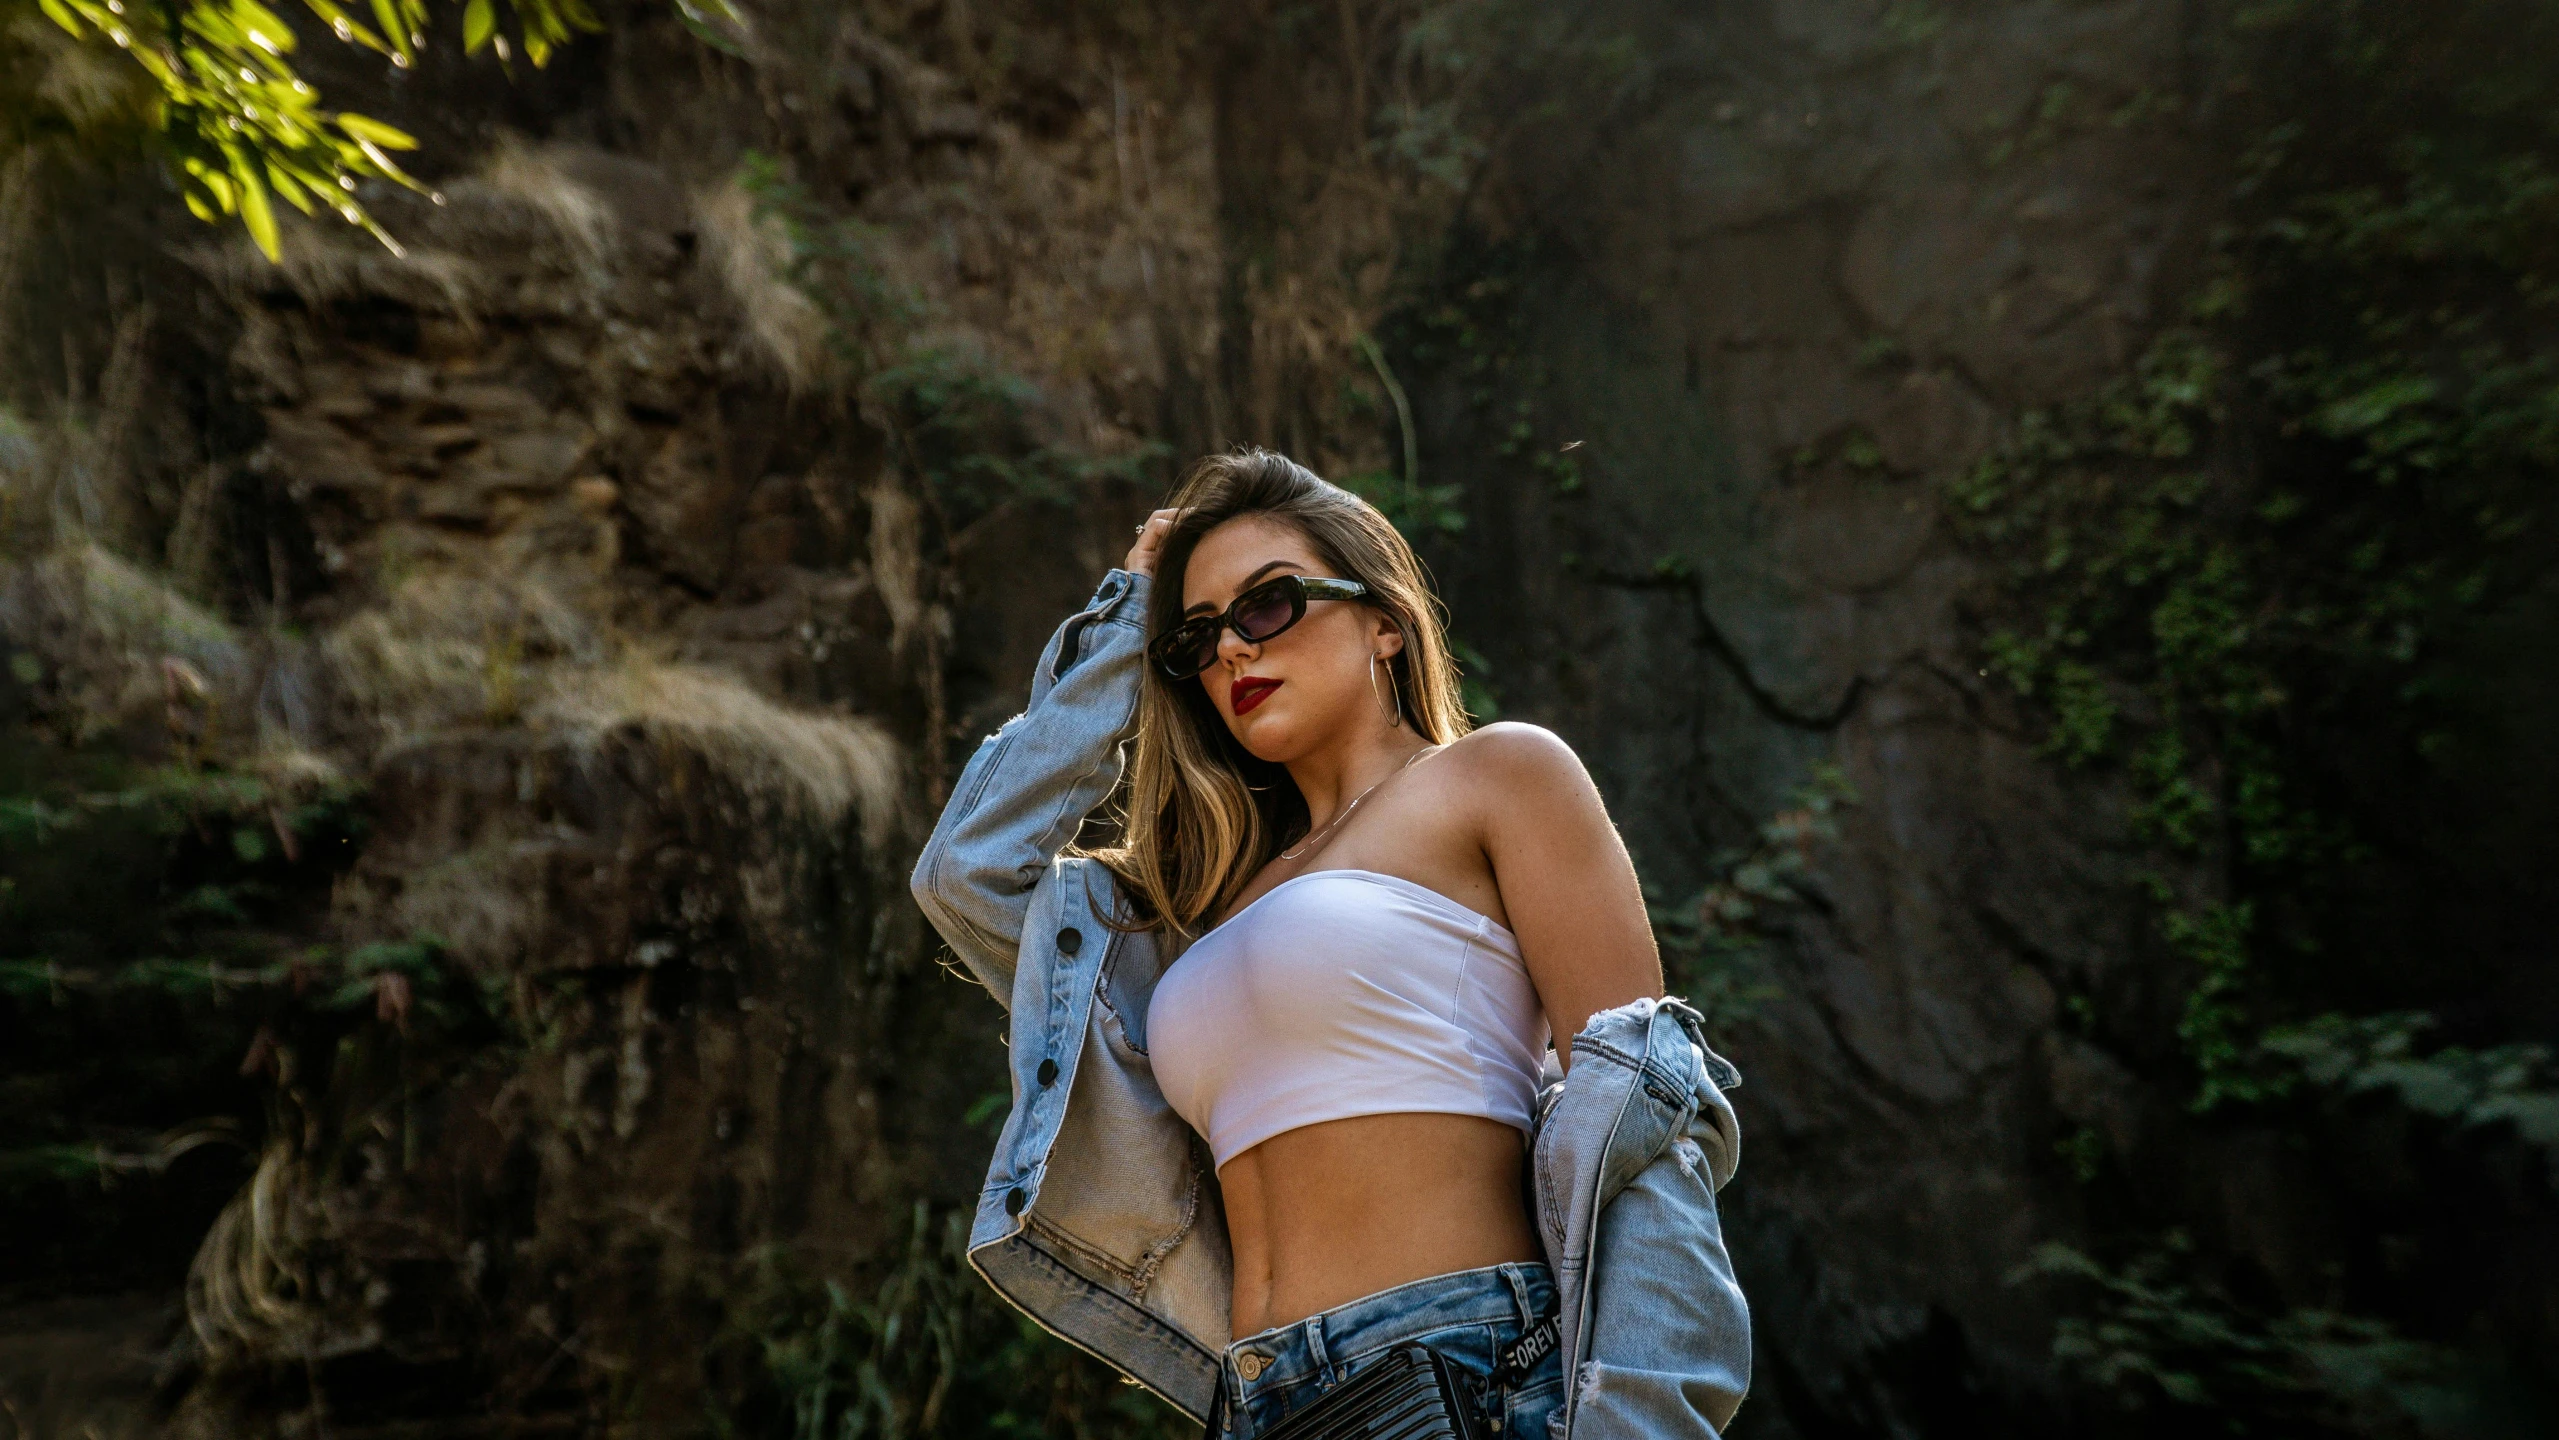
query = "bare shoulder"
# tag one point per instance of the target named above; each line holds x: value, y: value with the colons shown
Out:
x: 1516, y: 759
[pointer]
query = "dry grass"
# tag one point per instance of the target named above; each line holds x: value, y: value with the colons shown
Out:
x: 752, y: 256
x: 897, y: 559
x: 826, y: 767
x: 483, y: 903
x: 582, y: 220
x: 66, y: 477
x: 451, y: 651
x: 325, y: 263
x: 123, y: 608
x: 103, y: 629
x: 447, y: 649
x: 242, y: 1298
x: 93, y: 482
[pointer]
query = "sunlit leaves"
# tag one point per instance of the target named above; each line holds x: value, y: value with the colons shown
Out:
x: 243, y: 129
x: 240, y: 125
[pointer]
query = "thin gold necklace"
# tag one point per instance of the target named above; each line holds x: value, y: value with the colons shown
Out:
x: 1345, y: 813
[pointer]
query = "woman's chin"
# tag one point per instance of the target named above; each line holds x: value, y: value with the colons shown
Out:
x: 1264, y: 736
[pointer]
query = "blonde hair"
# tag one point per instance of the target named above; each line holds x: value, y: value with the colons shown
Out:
x: 1201, y: 815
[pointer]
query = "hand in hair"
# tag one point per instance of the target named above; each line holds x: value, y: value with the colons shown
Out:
x: 1150, y: 543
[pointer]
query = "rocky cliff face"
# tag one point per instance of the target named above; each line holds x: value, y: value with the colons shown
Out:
x: 648, y: 540
x: 1811, y: 303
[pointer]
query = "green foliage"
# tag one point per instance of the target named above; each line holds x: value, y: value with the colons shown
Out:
x: 1415, y: 510
x: 244, y: 129
x: 923, y: 1348
x: 159, y: 992
x: 2515, y: 1085
x: 1474, y: 690
x: 838, y: 264
x: 2161, y: 1343
x: 1913, y: 22
x: 2267, y: 537
x: 964, y: 424
x: 967, y: 428
x: 1464, y: 322
x: 2213, y: 942
x: 238, y: 122
x: 1407, y: 503
x: 2246, y: 576
x: 1714, y: 945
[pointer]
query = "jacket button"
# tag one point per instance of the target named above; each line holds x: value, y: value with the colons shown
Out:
x: 1069, y: 940
x: 1015, y: 1200
x: 1048, y: 1072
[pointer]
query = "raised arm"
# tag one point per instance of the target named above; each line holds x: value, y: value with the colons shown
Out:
x: 1028, y: 788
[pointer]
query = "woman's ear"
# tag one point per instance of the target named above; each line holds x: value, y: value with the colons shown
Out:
x: 1386, y: 638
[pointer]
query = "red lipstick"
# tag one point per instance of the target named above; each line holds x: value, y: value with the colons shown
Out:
x: 1250, y: 691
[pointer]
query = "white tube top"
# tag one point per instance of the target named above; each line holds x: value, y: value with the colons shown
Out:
x: 1342, y: 993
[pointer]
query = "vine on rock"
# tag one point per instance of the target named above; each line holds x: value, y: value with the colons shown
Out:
x: 2253, y: 562
x: 2255, y: 576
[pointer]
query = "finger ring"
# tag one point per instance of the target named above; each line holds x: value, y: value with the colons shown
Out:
x: 1141, y: 529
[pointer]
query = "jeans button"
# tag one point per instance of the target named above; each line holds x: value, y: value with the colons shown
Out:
x: 1016, y: 1200
x: 1069, y: 940
x: 1048, y: 1072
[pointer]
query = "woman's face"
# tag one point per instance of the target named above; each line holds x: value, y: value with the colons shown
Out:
x: 1292, y: 692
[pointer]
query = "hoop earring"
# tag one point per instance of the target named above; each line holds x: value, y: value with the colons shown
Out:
x: 1393, y: 710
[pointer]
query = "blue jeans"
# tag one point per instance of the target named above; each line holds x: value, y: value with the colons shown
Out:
x: 1468, y: 1317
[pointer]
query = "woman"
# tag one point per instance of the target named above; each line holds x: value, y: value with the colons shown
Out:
x: 1340, y: 930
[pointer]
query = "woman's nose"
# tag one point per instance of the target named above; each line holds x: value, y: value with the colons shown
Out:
x: 1232, y: 647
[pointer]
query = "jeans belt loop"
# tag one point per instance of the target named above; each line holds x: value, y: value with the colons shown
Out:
x: 1517, y: 1279
x: 1315, y: 1349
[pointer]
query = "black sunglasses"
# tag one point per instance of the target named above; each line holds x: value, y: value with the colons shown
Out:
x: 1258, y: 614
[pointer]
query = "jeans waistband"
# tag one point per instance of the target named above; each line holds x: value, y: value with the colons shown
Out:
x: 1321, y: 1347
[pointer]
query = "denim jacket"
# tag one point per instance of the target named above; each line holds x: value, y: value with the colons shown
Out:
x: 1100, y: 1217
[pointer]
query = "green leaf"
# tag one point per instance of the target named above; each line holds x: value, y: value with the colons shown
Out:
x: 479, y: 22
x: 59, y: 14
x: 392, y: 30
x: 2369, y: 408
x: 262, y: 27
x: 366, y: 128
x: 284, y: 185
x: 254, y: 210
x: 346, y: 28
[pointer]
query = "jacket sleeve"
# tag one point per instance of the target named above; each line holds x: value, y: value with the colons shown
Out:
x: 1629, y: 1154
x: 1028, y: 788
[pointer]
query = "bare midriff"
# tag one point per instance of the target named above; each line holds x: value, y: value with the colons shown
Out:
x: 1326, y: 1213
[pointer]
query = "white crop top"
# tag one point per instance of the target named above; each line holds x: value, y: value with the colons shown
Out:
x: 1342, y: 993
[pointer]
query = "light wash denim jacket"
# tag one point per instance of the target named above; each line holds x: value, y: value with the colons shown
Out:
x: 1100, y: 1217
